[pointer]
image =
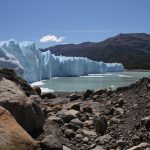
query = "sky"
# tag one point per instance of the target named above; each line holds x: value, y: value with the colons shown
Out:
x: 52, y: 22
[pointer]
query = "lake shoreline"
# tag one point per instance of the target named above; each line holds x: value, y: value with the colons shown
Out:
x: 80, y: 84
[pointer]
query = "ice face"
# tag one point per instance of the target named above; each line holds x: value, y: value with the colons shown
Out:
x: 34, y: 65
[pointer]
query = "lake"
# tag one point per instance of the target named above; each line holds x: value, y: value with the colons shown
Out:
x: 92, y: 81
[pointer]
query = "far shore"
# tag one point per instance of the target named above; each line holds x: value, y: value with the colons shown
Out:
x: 138, y: 70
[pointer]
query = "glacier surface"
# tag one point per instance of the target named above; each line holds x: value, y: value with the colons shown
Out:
x: 34, y: 65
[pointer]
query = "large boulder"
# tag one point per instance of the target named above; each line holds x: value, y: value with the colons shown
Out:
x: 67, y: 116
x: 12, y: 135
x: 10, y: 74
x: 26, y: 111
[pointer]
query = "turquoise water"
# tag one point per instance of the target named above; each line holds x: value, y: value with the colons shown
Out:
x: 93, y: 81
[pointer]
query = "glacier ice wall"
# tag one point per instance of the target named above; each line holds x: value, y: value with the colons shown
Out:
x: 32, y: 64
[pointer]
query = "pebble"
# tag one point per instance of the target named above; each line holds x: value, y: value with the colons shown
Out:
x: 85, y: 140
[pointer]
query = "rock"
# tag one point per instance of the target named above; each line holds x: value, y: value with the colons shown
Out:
x: 77, y: 122
x: 135, y: 140
x: 66, y: 148
x: 84, y: 118
x: 121, y: 144
x: 73, y: 112
x: 121, y: 102
x: 110, y: 111
x: 141, y: 146
x: 92, y: 146
x: 67, y: 116
x: 146, y: 122
x: 78, y: 136
x: 100, y: 91
x: 148, y: 106
x: 72, y: 126
x: 109, y: 103
x: 105, y: 139
x: 9, y: 74
x: 101, y: 125
x: 12, y: 135
x: 55, y: 119
x: 87, y: 94
x: 80, y: 131
x: 47, y: 111
x: 85, y: 140
x: 95, y: 97
x: 89, y: 133
x: 36, y: 99
x: 57, y: 108
x: 69, y: 133
x: 88, y: 123
x: 48, y: 95
x: 50, y: 142
x: 114, y: 120
x: 148, y: 87
x: 26, y: 112
x: 52, y: 136
x: 74, y: 96
x: 37, y: 90
x: 119, y: 111
x: 109, y: 92
x: 83, y: 147
x: 76, y: 106
x: 87, y: 109
x: 137, y: 125
x: 98, y: 148
x: 135, y: 106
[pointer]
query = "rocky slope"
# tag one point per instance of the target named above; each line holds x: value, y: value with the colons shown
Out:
x: 132, y: 50
x: 93, y: 120
x: 105, y: 119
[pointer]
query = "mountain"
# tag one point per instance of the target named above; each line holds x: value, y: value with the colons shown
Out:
x: 132, y: 50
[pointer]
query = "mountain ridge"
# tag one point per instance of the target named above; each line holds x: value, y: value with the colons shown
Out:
x: 132, y: 50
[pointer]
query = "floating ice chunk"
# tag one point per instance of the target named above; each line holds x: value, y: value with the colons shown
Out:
x: 46, y: 90
x: 38, y: 83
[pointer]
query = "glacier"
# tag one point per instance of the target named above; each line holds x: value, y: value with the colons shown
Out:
x: 32, y: 64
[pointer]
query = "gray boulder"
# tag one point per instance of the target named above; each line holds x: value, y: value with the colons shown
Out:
x: 51, y: 142
x: 26, y: 112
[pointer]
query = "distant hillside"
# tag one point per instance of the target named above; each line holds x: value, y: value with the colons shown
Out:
x: 133, y: 50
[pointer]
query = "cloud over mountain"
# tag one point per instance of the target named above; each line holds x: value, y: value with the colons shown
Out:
x: 51, y: 38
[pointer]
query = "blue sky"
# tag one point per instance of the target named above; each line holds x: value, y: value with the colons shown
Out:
x: 71, y: 21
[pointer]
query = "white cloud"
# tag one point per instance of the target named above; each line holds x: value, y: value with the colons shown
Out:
x: 51, y: 38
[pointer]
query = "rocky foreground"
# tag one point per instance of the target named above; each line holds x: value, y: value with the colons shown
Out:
x: 93, y: 120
